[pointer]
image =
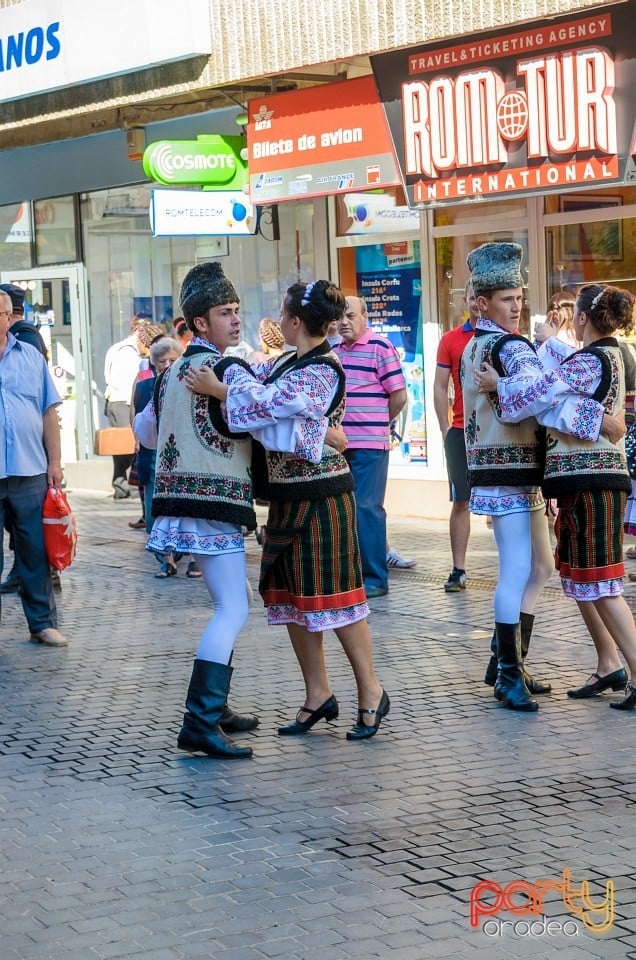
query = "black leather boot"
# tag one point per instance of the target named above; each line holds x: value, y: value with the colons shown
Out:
x: 205, y: 702
x: 535, y: 687
x: 491, y: 670
x: 510, y: 688
x: 231, y: 722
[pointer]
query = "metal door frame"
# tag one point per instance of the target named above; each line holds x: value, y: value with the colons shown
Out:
x: 75, y: 274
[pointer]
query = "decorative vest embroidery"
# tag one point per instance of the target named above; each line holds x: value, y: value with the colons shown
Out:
x: 573, y: 464
x: 202, y: 469
x: 506, y: 454
x: 289, y: 478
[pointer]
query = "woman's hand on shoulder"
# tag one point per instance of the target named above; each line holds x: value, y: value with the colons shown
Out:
x: 204, y: 380
x: 486, y: 379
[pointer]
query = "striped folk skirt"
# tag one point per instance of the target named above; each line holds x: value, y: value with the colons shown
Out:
x: 589, y: 552
x: 310, y: 570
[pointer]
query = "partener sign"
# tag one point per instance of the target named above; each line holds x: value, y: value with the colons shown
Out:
x: 545, y: 118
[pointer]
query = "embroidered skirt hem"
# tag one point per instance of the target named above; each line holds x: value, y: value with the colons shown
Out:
x: 279, y: 614
x: 194, y: 535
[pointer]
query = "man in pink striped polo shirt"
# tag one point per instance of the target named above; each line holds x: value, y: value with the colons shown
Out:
x: 376, y: 392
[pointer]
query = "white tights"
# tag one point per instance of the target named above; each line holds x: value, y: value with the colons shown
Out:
x: 525, y: 562
x: 224, y: 576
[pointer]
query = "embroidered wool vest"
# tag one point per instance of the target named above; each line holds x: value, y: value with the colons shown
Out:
x: 506, y: 454
x: 289, y: 478
x: 202, y: 469
x: 573, y: 464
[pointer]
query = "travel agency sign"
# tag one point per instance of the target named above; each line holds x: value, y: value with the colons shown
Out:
x: 546, y: 108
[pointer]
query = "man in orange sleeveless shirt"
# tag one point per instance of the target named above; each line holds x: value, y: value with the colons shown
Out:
x: 449, y: 355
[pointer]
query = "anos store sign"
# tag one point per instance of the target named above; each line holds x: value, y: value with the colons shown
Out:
x: 546, y: 108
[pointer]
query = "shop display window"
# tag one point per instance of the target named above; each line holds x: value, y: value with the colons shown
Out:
x: 55, y: 231
x: 452, y: 273
x: 130, y: 271
x: 388, y: 277
x: 456, y: 215
x: 16, y: 236
x: 591, y: 238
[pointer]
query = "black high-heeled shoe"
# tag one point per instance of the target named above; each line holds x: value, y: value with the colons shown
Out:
x: 616, y: 680
x: 629, y: 703
x: 362, y: 730
x: 326, y: 711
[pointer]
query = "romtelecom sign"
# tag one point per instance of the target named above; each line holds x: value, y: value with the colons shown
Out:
x: 211, y: 161
x: 198, y: 213
x: 546, y: 108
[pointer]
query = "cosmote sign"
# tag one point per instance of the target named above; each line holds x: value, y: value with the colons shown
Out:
x: 513, y: 113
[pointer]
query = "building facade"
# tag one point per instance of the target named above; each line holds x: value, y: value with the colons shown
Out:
x: 74, y: 197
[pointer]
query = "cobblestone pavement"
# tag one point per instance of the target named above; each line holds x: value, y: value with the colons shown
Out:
x: 115, y: 844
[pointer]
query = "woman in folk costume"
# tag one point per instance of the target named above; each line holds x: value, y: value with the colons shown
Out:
x: 203, y: 498
x: 311, y: 577
x: 558, y: 341
x: 505, y: 466
x: 588, y: 477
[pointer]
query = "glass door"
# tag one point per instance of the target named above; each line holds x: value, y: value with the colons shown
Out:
x: 56, y: 302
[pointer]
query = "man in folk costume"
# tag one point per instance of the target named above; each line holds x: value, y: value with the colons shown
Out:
x: 203, y: 498
x: 505, y: 466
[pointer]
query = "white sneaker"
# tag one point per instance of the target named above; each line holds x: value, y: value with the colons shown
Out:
x: 395, y: 562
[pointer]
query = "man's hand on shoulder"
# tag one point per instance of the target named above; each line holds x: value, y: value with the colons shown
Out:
x: 613, y: 427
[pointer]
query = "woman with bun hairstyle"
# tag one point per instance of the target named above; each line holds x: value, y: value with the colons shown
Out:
x: 555, y: 338
x: 589, y: 478
x: 311, y: 577
x: 271, y: 340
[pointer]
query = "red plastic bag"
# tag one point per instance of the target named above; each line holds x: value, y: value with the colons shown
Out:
x: 60, y: 529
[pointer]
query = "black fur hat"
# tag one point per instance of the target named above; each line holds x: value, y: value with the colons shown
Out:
x: 205, y: 286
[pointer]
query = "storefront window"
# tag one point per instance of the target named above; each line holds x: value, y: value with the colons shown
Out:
x: 132, y: 272
x: 455, y: 215
x: 388, y: 277
x: 15, y: 236
x: 452, y: 273
x: 591, y: 242
x: 55, y: 231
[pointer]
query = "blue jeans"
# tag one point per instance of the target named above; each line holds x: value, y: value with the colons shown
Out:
x: 21, y: 500
x: 370, y: 469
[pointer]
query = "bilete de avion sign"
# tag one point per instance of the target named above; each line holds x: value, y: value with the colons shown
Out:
x: 549, y: 107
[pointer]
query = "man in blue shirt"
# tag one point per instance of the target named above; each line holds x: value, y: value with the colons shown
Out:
x: 30, y: 462
x: 25, y: 332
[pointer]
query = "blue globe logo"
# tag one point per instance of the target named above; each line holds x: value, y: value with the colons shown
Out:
x: 239, y: 212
